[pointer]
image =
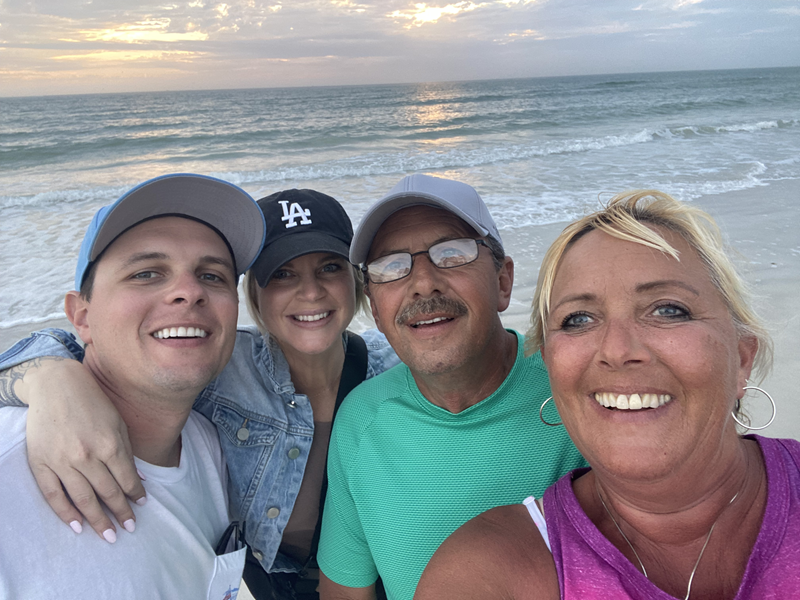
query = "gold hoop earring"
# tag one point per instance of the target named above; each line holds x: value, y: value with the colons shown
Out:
x: 541, y: 418
x: 771, y: 419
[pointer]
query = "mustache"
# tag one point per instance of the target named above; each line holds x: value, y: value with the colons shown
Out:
x: 428, y: 306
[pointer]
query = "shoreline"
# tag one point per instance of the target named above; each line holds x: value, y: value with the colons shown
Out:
x: 757, y: 222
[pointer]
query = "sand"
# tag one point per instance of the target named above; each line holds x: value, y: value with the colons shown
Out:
x: 760, y: 223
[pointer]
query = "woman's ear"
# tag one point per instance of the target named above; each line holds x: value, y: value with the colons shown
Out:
x: 748, y: 348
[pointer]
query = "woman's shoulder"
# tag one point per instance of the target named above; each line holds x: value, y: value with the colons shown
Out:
x: 380, y: 355
x: 255, y: 348
x: 250, y: 373
x: 784, y: 450
x: 498, y: 553
x: 250, y: 336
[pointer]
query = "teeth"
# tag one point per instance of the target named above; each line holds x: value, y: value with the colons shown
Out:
x: 436, y: 320
x: 632, y: 402
x: 311, y: 318
x: 179, y: 332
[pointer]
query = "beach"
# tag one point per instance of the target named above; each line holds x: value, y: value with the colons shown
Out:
x: 759, y: 223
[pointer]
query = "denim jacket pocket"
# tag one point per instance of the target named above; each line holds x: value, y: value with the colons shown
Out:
x: 242, y: 430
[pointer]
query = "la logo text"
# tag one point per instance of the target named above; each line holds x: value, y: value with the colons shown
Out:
x: 293, y: 212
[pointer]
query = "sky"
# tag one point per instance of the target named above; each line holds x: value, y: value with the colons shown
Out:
x: 104, y: 46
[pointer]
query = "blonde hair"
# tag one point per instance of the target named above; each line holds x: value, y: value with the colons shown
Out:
x: 630, y: 216
x: 251, y: 292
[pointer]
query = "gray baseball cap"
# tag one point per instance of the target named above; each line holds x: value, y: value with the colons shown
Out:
x: 224, y: 207
x: 458, y: 198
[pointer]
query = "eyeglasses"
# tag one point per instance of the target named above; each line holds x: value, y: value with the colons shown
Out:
x: 445, y: 255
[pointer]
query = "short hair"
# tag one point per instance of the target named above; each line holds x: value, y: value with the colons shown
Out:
x: 631, y: 216
x: 498, y: 254
x: 88, y: 279
x: 251, y: 292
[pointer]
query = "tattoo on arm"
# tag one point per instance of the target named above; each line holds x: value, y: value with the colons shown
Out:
x: 10, y: 376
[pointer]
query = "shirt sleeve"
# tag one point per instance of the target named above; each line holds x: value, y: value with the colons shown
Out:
x: 344, y: 555
x: 47, y: 342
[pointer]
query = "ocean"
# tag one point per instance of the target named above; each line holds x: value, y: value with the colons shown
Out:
x: 538, y: 150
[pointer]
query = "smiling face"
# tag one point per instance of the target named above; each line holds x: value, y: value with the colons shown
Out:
x: 163, y: 310
x: 309, y: 302
x: 629, y: 320
x: 438, y: 320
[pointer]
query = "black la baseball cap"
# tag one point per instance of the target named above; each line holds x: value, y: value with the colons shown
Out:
x: 300, y: 222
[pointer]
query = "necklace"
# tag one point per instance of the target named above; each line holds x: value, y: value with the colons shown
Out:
x: 636, y: 554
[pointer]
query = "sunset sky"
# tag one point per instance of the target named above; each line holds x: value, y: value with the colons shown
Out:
x: 89, y: 46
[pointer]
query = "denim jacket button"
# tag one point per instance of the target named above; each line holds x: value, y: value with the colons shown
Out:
x: 258, y: 555
x: 273, y: 512
x: 243, y: 434
x: 293, y: 453
x: 291, y: 404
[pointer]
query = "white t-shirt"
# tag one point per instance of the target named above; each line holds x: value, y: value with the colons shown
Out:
x: 170, y: 555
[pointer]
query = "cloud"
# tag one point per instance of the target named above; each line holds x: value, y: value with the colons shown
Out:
x: 681, y: 25
x: 123, y: 56
x: 789, y: 10
x: 350, y: 5
x: 157, y: 30
x: 422, y: 13
x: 527, y: 33
x: 679, y: 4
x: 157, y: 44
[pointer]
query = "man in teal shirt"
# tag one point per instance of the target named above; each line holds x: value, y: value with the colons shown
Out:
x: 421, y: 449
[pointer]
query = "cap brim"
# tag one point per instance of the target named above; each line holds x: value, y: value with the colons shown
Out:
x: 277, y: 254
x: 386, y: 207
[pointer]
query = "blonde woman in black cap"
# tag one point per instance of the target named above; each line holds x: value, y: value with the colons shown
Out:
x: 273, y: 405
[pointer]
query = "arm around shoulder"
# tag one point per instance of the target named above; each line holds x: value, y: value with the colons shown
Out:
x: 37, y: 359
x: 498, y: 554
x: 76, y: 439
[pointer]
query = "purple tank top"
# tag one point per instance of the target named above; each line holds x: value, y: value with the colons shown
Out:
x: 589, y: 566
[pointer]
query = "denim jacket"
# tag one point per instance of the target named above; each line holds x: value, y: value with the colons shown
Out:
x: 265, y: 428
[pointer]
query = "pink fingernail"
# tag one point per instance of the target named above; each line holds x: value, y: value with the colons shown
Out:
x: 110, y: 536
x: 141, y: 501
x: 76, y: 526
x: 141, y: 475
x: 129, y: 525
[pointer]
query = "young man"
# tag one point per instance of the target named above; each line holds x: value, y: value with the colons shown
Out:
x: 156, y: 306
x: 426, y: 446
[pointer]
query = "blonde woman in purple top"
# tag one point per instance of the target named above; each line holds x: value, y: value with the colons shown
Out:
x: 649, y: 342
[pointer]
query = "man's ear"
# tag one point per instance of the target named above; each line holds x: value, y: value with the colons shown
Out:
x: 77, y: 311
x: 505, y: 278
